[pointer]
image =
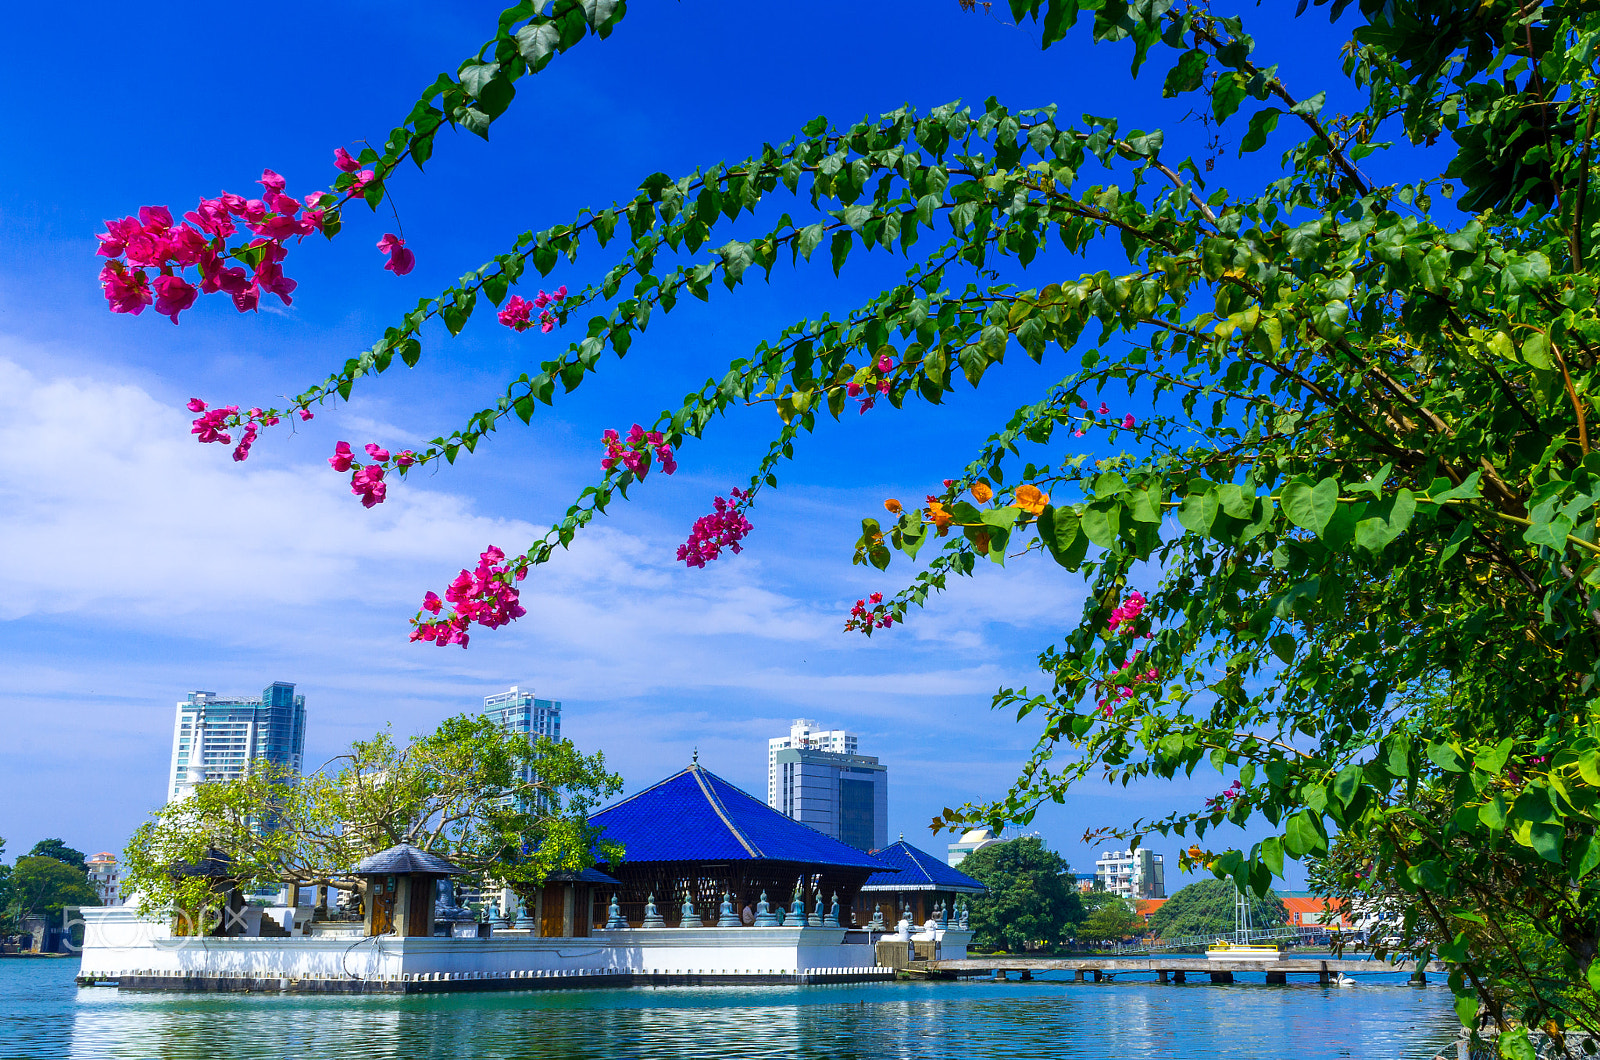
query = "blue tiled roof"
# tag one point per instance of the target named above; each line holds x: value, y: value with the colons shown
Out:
x: 919, y: 871
x: 695, y: 815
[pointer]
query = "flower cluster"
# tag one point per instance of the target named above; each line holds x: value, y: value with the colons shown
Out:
x: 1122, y: 618
x: 725, y: 527
x: 1123, y: 682
x: 1128, y: 423
x: 633, y: 452
x: 1219, y: 803
x: 366, y: 481
x: 151, y: 241
x: 401, y: 260
x: 211, y: 423
x: 870, y: 614
x: 872, y: 387
x: 517, y: 313
x: 484, y: 595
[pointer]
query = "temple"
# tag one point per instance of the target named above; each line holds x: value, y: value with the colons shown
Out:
x: 922, y: 888
x: 696, y: 838
x: 714, y: 887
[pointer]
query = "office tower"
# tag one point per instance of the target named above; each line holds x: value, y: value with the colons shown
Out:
x: 519, y: 711
x: 804, y: 734
x: 816, y: 777
x: 217, y: 737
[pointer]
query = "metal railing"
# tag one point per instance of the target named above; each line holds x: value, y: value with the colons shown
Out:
x: 1182, y: 942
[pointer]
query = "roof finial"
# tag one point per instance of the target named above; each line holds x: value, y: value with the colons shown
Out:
x: 902, y: 837
x: 696, y: 760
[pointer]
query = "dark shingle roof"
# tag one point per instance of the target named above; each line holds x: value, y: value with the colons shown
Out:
x: 919, y: 871
x: 695, y: 815
x: 401, y: 859
x: 584, y: 876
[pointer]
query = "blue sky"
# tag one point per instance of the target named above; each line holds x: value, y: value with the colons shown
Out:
x: 137, y: 565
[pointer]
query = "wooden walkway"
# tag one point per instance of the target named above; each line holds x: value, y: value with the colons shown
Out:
x: 1170, y: 969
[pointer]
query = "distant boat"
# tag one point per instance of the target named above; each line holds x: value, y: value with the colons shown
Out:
x: 1223, y: 950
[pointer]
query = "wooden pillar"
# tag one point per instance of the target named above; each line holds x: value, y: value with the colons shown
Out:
x: 1179, y: 977
x: 1323, y: 976
x: 1161, y: 976
x: 568, y: 900
x: 1000, y: 975
x: 1077, y: 975
x: 1419, y: 977
x: 1097, y: 975
x: 1027, y: 976
x: 1222, y: 977
x: 402, y: 906
x: 1277, y: 978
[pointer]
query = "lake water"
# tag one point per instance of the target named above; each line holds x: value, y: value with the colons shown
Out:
x: 43, y: 1014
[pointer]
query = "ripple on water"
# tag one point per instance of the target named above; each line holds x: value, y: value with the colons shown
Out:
x: 42, y: 1014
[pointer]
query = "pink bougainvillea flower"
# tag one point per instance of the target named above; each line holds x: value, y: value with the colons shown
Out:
x: 128, y: 292
x: 363, y: 178
x: 1104, y: 409
x: 342, y: 457
x: 401, y: 260
x: 158, y: 218
x: 368, y: 484
x: 885, y: 363
x: 305, y: 414
x: 174, y: 294
x: 1129, y: 422
x: 725, y: 527
x: 114, y: 240
x: 404, y: 458
x: 342, y: 160
x: 377, y: 452
x: 271, y: 181
x: 196, y: 405
x: 514, y: 314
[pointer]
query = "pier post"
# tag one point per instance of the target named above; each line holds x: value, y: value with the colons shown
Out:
x: 1077, y: 975
x: 1323, y: 976
x: 1026, y: 976
x: 1222, y: 977
x: 1161, y: 976
x: 1180, y: 977
x: 1097, y: 975
x: 999, y: 975
x: 1277, y: 978
x: 1419, y: 977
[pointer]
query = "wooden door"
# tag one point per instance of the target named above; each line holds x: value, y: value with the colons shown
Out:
x: 553, y: 911
x: 419, y: 914
x: 381, y: 897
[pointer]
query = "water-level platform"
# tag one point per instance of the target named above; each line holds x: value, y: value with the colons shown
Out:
x: 1172, y: 969
x: 472, y: 982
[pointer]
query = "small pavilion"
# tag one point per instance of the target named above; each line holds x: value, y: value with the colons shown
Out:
x: 399, y: 888
x: 696, y: 837
x: 920, y: 885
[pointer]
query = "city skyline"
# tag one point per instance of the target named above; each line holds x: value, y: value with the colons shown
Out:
x: 215, y: 738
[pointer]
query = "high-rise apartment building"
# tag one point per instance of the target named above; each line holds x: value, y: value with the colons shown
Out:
x: 1131, y: 873
x: 816, y: 777
x: 105, y: 877
x: 216, y: 737
x: 521, y: 712
x: 804, y: 735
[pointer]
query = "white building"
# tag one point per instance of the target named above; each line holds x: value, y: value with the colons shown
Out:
x: 217, y: 737
x: 805, y: 735
x: 105, y: 877
x: 973, y: 839
x: 815, y: 776
x: 1131, y: 873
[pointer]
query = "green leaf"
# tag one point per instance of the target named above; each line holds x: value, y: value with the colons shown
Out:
x: 1445, y: 757
x: 1062, y: 534
x: 1198, y: 511
x: 1282, y: 646
x: 1305, y: 834
x: 1262, y: 122
x: 1272, y: 854
x: 1514, y: 1045
x: 1310, y: 507
x: 536, y: 42
x: 1493, y: 814
x: 1467, y: 1009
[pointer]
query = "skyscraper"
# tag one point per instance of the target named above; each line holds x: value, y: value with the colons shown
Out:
x: 216, y: 737
x: 816, y: 777
x: 519, y: 711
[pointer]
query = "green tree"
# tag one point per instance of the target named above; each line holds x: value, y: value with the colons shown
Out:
x: 1359, y: 493
x: 6, y: 919
x: 43, y: 886
x: 1207, y: 907
x: 55, y: 848
x: 500, y: 805
x: 1031, y: 898
x: 1112, y: 919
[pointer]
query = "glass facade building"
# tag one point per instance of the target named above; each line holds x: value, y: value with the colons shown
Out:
x: 845, y: 796
x: 217, y: 737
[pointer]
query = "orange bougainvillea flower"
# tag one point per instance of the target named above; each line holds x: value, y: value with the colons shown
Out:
x: 892, y: 506
x: 1030, y: 499
x: 981, y: 492
x: 938, y: 516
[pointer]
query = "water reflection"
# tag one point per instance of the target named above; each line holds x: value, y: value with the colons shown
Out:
x: 43, y: 1015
